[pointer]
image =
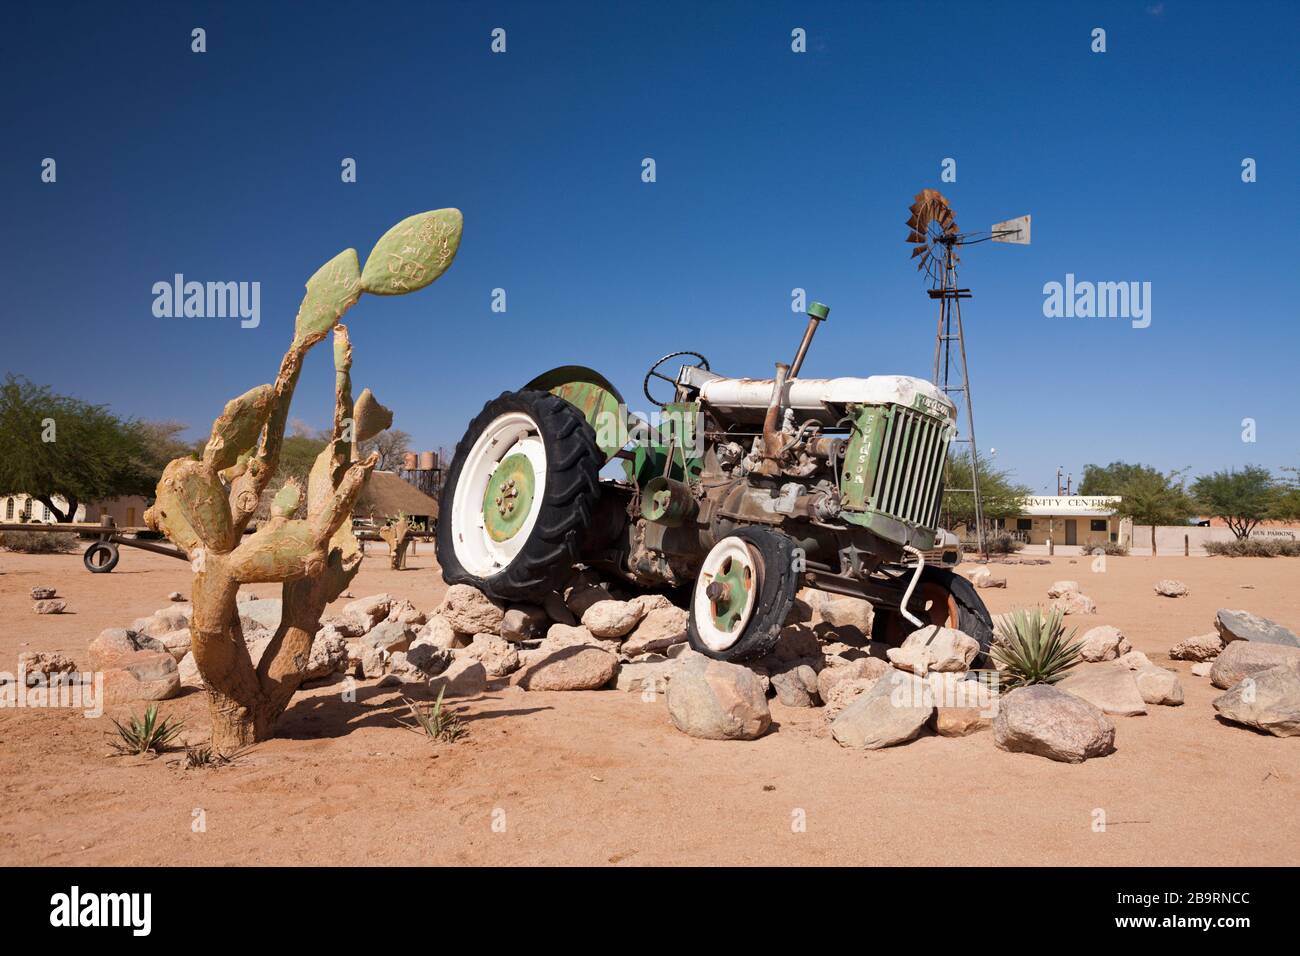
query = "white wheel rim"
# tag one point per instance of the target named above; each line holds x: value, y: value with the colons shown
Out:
x: 510, y: 434
x: 726, y: 550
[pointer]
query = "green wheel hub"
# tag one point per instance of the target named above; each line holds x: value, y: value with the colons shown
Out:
x: 508, y: 498
x: 729, y: 593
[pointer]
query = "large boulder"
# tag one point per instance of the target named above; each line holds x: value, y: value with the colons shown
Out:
x: 848, y: 612
x: 583, y: 593
x: 844, y: 693
x: 438, y: 631
x: 796, y: 686
x: 42, y: 593
x: 716, y: 700
x: 862, y: 668
x: 390, y: 635
x: 115, y: 646
x: 1109, y: 685
x: 1105, y: 643
x: 1075, y: 603
x: 364, y: 613
x: 254, y: 616
x: 795, y: 642
x: 1243, y: 658
x: 1201, y: 647
x: 42, y: 666
x: 145, y: 676
x: 525, y: 622
x: 1244, y: 626
x: 895, y: 710
x: 1062, y: 588
x: 612, y: 618
x: 1157, y: 685
x: 171, y: 618
x: 50, y: 606
x: 188, y: 670
x: 641, y: 676
x: 1046, y: 721
x: 329, y: 655
x: 1168, y: 587
x: 961, y: 706
x: 1268, y: 700
x: 660, y: 629
x: 463, y: 677
x: 497, y: 655
x: 469, y: 611
x: 581, y: 667
x: 176, y: 642
x: 933, y: 648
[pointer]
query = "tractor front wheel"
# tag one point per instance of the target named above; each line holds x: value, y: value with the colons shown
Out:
x: 743, y: 594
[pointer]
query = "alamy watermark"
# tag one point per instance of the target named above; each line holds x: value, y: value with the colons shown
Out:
x: 84, y: 692
x: 208, y: 300
x: 1103, y: 300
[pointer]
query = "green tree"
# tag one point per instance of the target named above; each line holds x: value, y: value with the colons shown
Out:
x: 1150, y: 497
x: 1000, y: 497
x: 54, y: 444
x: 1241, y: 498
x: 1108, y: 479
x: 1286, y: 501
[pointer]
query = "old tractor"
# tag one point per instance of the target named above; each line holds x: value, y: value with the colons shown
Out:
x: 741, y: 489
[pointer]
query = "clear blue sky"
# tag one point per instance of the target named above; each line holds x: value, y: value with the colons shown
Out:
x: 775, y: 170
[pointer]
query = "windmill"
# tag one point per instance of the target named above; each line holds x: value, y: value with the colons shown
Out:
x: 937, y: 241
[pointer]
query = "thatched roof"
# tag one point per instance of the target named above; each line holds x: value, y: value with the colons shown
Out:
x: 386, y: 496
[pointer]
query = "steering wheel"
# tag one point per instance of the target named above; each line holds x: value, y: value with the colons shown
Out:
x: 655, y: 373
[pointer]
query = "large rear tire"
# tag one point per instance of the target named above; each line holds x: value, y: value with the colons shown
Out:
x: 518, y: 497
x: 945, y: 598
x: 743, y: 595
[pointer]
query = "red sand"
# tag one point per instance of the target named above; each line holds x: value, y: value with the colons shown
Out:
x: 602, y: 777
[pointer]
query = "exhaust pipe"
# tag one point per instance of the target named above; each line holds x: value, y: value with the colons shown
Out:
x: 817, y: 314
x: 772, y: 437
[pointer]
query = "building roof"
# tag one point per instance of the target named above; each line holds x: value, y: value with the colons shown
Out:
x: 387, y: 496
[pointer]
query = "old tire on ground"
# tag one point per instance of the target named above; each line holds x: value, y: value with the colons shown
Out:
x: 518, y: 497
x: 741, y: 619
x: 945, y: 598
x: 101, y: 557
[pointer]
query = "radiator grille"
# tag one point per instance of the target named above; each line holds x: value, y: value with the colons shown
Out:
x: 909, y: 477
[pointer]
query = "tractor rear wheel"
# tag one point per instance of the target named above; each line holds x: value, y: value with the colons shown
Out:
x: 518, y: 497
x: 945, y: 598
x: 743, y: 594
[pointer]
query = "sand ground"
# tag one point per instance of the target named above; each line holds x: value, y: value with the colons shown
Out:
x: 603, y: 778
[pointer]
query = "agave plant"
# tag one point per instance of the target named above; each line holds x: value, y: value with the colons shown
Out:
x: 1033, y: 649
x: 149, y: 735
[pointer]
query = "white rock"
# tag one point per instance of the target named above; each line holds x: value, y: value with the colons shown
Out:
x: 469, y: 611
x: 612, y: 619
x: 934, y: 648
x: 1105, y: 643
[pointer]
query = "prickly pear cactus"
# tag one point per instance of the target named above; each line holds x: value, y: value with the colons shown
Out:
x: 204, y: 506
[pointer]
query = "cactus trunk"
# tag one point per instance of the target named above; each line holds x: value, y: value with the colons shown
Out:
x: 204, y: 505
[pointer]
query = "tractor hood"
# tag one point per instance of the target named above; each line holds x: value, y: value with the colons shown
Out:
x: 824, y: 399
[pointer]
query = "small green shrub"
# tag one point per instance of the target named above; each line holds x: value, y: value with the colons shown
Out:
x: 1034, y: 649
x: 1004, y: 544
x: 435, y: 721
x: 1255, y: 548
x: 149, y: 735
x: 38, y: 542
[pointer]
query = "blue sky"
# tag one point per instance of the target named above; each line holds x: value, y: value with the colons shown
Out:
x: 775, y: 170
